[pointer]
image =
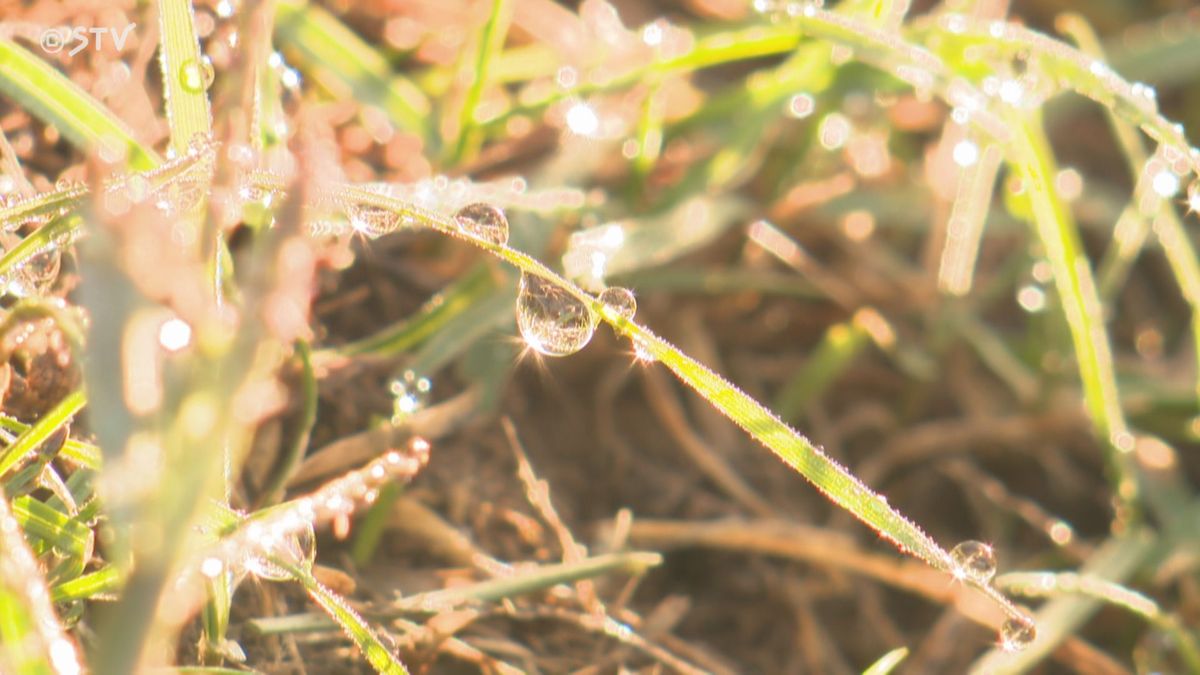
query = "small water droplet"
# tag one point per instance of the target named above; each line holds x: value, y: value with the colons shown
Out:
x: 1017, y: 634
x: 975, y: 561
x: 196, y: 75
x: 411, y: 393
x: 620, y: 301
x: 1193, y: 199
x: 296, y: 548
x: 483, y: 221
x: 552, y: 321
x: 373, y: 221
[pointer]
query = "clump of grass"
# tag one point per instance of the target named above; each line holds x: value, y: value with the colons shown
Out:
x: 189, y: 331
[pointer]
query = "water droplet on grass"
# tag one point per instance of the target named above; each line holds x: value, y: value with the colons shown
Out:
x: 373, y: 221
x: 196, y: 75
x: 620, y: 301
x: 1017, y: 634
x: 975, y: 561
x: 551, y: 320
x: 483, y: 221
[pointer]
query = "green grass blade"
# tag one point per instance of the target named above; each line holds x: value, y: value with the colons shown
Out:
x: 491, y: 41
x: 540, y: 579
x: 52, y: 97
x: 35, y: 435
x: 377, y: 654
x: 1033, y: 160
x: 32, y: 639
x: 341, y: 62
x: 52, y: 526
x: 103, y: 581
x: 838, y: 348
x: 84, y: 454
x: 427, y: 321
x: 186, y: 74
x: 308, y: 419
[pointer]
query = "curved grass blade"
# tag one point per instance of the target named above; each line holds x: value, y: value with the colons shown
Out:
x: 833, y: 480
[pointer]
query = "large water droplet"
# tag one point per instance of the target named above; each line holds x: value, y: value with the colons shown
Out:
x: 620, y: 301
x: 552, y: 321
x: 411, y: 393
x: 483, y: 221
x: 196, y: 75
x: 1017, y: 634
x: 974, y: 561
x: 373, y: 221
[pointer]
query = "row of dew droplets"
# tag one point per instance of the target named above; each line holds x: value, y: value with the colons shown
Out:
x: 975, y: 561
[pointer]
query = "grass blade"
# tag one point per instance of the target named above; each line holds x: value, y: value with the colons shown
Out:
x: 45, y: 427
x: 1055, y: 226
x: 56, y: 100
x: 340, y: 61
x: 186, y: 74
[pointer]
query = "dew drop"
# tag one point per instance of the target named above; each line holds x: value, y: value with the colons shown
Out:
x: 1193, y: 199
x: 483, y: 221
x: 619, y: 301
x: 196, y: 75
x: 974, y: 561
x: 373, y: 221
x: 296, y: 548
x: 411, y: 393
x: 1017, y: 634
x: 551, y: 320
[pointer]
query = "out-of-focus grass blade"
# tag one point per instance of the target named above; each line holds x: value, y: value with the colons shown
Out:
x: 627, y: 247
x: 888, y: 662
x: 49, y: 423
x: 427, y: 321
x: 522, y: 582
x: 1032, y: 159
x: 490, y: 42
x: 540, y: 579
x: 52, y: 97
x: 341, y: 62
x: 839, y: 346
x: 308, y: 418
x: 186, y: 75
